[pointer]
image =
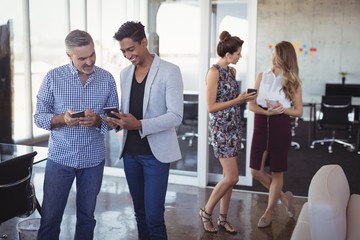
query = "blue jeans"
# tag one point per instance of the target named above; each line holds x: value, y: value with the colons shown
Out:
x: 147, y: 179
x: 57, y: 185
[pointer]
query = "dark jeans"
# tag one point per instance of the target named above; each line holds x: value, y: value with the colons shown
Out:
x: 57, y: 185
x: 148, y: 179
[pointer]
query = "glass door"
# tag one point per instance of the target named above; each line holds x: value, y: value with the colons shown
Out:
x: 179, y: 43
x: 232, y: 16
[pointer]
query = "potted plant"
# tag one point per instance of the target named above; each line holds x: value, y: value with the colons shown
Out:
x: 343, y: 76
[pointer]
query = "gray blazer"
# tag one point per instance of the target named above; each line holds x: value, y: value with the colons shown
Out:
x: 162, y: 107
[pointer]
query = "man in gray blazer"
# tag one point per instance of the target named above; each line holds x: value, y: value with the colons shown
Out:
x: 151, y: 109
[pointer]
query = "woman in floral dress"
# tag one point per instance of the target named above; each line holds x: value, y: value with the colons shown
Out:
x: 223, y: 104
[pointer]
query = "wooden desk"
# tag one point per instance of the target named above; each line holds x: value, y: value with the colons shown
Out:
x: 9, y: 151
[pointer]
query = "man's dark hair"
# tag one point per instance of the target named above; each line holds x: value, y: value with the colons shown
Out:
x: 131, y: 29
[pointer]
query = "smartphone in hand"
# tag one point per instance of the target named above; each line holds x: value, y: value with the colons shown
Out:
x: 108, y: 111
x: 78, y: 114
x: 251, y: 90
x: 272, y: 102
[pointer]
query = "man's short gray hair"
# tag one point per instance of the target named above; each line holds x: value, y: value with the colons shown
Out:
x: 77, y: 38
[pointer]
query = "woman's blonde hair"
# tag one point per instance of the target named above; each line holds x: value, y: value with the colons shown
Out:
x: 286, y: 61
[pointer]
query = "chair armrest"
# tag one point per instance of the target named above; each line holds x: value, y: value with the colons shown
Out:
x: 7, y: 185
x: 329, y: 195
x: 353, y: 217
x: 302, y: 227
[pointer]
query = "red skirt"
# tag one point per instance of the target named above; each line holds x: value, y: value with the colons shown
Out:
x: 273, y: 134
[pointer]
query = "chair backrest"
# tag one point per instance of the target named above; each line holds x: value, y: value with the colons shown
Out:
x: 328, y: 198
x: 191, y: 103
x: 335, y: 110
x: 190, y: 112
x: 16, y: 190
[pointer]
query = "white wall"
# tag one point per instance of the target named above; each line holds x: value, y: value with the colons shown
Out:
x: 330, y: 26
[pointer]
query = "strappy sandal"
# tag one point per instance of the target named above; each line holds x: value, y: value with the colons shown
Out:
x: 207, y: 221
x: 224, y: 224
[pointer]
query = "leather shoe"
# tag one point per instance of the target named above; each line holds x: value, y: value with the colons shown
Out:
x: 290, y: 207
x: 263, y: 222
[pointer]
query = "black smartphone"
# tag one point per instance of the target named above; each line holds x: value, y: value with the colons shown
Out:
x: 108, y: 111
x: 251, y: 90
x: 78, y: 114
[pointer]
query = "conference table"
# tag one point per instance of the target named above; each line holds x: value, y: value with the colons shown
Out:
x: 9, y: 151
x: 313, y: 102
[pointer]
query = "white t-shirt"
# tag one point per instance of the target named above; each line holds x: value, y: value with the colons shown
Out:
x: 271, y: 89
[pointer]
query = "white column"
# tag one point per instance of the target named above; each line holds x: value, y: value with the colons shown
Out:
x: 67, y: 16
x: 28, y: 121
x: 251, y: 76
x: 203, y: 147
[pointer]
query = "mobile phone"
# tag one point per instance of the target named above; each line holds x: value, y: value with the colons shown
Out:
x: 251, y: 90
x: 108, y: 111
x: 78, y: 114
x: 272, y: 102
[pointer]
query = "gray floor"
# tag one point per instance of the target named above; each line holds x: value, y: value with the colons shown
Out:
x: 115, y: 218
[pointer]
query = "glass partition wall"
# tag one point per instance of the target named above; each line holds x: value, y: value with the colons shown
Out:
x: 189, y: 42
x: 180, y: 42
x: 231, y: 16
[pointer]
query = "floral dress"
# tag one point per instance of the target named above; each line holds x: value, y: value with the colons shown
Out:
x: 225, y: 125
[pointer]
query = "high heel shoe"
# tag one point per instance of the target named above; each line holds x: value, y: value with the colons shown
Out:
x: 290, y: 207
x: 263, y: 222
x: 224, y: 224
x: 207, y: 221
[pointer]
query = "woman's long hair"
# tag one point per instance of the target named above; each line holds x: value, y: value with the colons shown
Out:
x: 286, y: 61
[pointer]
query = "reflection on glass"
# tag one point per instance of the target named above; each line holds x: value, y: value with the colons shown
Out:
x: 47, y: 44
x: 179, y: 43
x: 9, y: 151
x: 112, y: 143
x: 232, y: 17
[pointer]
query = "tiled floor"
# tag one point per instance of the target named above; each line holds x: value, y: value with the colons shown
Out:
x: 115, y: 218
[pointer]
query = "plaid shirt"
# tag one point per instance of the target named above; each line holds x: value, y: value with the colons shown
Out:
x: 77, y: 147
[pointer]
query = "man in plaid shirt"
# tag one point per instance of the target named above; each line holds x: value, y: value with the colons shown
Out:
x: 76, y: 144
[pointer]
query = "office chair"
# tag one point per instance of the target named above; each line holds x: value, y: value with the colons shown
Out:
x: 243, y: 125
x: 243, y: 108
x: 294, y: 125
x: 190, y: 118
x: 17, y: 193
x: 335, y: 110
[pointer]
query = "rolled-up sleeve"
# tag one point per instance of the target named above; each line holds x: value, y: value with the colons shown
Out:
x: 112, y: 101
x: 44, y: 110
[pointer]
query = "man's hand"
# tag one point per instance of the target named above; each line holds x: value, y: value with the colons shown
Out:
x: 90, y: 119
x: 125, y: 121
x: 69, y: 120
x: 111, y: 123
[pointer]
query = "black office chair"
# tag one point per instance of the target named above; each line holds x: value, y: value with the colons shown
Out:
x: 190, y: 119
x: 294, y: 125
x: 17, y: 193
x: 335, y: 110
x: 243, y: 125
x: 243, y: 108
